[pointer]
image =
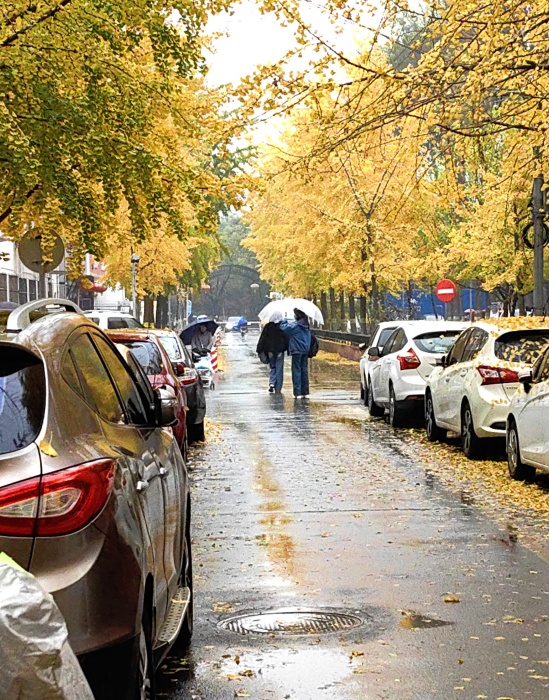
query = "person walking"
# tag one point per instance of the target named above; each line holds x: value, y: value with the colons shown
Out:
x: 274, y: 343
x: 299, y: 336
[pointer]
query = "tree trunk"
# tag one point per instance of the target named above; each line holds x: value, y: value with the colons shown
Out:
x: 148, y: 311
x: 342, y: 324
x: 333, y: 314
x: 161, y: 320
x: 352, y: 312
x: 324, y: 307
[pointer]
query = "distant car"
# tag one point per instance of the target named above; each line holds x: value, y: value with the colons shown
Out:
x: 111, y: 320
x: 400, y: 369
x: 231, y: 323
x: 527, y: 434
x: 94, y: 495
x: 149, y: 352
x: 189, y: 377
x: 382, y: 331
x: 471, y: 391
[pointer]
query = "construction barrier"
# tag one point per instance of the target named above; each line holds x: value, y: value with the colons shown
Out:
x: 214, y: 359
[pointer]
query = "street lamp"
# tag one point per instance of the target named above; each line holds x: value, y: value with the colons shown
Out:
x: 254, y: 287
x: 135, y: 260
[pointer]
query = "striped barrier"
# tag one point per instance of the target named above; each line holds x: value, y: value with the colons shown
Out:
x: 214, y: 359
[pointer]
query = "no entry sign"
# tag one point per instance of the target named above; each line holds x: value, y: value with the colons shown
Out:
x: 445, y: 290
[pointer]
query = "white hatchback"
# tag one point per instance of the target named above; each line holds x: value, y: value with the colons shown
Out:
x: 382, y: 331
x: 400, y: 369
x: 471, y: 392
x: 527, y: 434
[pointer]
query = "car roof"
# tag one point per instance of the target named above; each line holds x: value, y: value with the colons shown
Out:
x: 105, y: 312
x: 507, y: 324
x: 143, y: 334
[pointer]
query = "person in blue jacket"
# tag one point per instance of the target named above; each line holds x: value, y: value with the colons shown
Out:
x: 299, y: 343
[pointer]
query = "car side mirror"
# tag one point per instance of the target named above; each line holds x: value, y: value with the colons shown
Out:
x: 441, y: 361
x: 525, y: 378
x: 178, y: 368
x: 374, y: 353
x: 166, y: 406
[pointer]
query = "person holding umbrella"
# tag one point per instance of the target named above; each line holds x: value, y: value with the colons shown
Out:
x: 299, y: 336
x: 199, y: 334
x: 273, y: 342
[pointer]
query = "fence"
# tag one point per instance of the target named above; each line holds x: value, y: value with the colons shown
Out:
x: 344, y: 344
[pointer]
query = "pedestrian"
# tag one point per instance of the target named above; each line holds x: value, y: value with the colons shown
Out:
x: 299, y: 345
x: 203, y: 340
x: 274, y: 343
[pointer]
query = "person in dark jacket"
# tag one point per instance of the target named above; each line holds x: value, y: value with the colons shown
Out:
x: 299, y: 344
x: 274, y: 343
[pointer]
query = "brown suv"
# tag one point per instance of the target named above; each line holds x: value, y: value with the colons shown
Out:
x: 94, y: 497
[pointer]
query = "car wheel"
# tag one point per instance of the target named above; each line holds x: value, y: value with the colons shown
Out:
x: 187, y: 580
x: 517, y: 469
x: 145, y: 686
x: 434, y: 433
x: 470, y: 442
x: 373, y: 409
x: 396, y: 414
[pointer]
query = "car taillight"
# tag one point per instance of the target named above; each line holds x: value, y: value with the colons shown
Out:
x: 409, y: 360
x: 497, y: 375
x: 58, y: 503
x: 189, y: 377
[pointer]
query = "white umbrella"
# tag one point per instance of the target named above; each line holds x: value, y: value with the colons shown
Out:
x: 286, y: 308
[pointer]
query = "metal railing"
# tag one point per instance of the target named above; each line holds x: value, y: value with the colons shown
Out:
x: 340, y: 337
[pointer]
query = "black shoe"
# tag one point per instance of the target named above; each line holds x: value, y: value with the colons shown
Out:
x: 271, y: 389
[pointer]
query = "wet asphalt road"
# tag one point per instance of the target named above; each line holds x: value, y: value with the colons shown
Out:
x: 311, y: 505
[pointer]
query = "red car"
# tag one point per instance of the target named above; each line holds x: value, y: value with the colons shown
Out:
x: 151, y: 355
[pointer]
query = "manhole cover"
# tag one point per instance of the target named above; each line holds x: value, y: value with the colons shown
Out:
x: 292, y: 622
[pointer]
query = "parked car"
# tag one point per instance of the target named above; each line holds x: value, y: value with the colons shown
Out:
x: 231, y: 323
x: 399, y: 371
x: 94, y: 495
x: 110, y: 320
x: 189, y: 378
x: 382, y: 331
x: 154, y: 360
x: 471, y: 391
x: 527, y: 434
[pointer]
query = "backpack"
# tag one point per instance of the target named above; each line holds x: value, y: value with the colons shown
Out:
x: 314, y: 346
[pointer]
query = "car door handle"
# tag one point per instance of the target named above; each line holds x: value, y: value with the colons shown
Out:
x: 163, y: 471
x: 142, y: 484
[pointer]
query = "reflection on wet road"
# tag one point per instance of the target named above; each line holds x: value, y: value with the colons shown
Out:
x: 310, y: 506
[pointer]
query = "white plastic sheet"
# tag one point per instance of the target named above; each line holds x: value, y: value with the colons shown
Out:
x: 36, y: 659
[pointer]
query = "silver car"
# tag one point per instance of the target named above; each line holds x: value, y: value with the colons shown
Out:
x: 94, y: 497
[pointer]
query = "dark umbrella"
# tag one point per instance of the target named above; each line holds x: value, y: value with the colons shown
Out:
x: 188, y: 333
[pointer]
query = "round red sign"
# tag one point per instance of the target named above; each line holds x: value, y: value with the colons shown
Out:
x: 445, y: 290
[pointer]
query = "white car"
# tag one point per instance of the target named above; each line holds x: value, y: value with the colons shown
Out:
x: 382, y: 331
x: 111, y: 320
x: 399, y: 371
x: 471, y: 392
x: 527, y: 435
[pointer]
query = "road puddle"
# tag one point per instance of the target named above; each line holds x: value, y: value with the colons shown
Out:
x: 415, y: 621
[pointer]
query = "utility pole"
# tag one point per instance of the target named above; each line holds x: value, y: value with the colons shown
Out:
x: 135, y: 260
x: 539, y: 235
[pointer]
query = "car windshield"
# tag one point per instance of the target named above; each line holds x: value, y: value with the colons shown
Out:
x: 147, y: 354
x: 22, y: 399
x: 116, y: 322
x: 521, y: 346
x: 436, y: 341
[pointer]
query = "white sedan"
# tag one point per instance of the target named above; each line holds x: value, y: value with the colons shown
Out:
x: 471, y: 392
x: 527, y: 435
x: 400, y: 369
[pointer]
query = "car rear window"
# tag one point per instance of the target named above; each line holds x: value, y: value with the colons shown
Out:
x: 521, y: 346
x: 436, y: 341
x: 22, y: 398
x: 171, y: 347
x: 147, y: 354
